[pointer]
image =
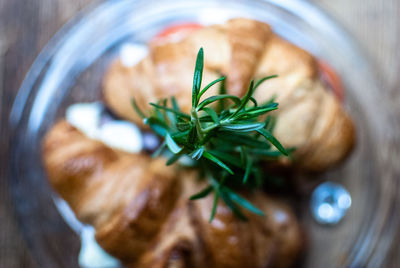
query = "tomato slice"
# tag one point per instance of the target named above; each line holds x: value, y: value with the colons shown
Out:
x: 330, y: 76
x: 178, y: 31
x: 187, y: 27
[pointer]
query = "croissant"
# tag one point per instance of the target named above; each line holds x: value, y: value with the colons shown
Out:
x: 141, y: 211
x: 310, y: 118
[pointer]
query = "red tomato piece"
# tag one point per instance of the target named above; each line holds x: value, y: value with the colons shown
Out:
x: 178, y: 28
x: 178, y: 31
x: 329, y: 75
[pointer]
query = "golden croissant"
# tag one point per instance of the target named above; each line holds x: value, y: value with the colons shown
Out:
x: 310, y: 118
x: 141, y: 211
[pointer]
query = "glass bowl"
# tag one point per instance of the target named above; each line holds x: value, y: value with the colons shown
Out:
x: 70, y: 70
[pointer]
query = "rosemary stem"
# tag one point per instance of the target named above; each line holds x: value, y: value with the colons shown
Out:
x: 225, y: 121
x: 196, y: 121
x: 211, y: 127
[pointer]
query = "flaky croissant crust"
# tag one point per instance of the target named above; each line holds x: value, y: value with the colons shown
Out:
x: 310, y: 118
x: 141, y: 211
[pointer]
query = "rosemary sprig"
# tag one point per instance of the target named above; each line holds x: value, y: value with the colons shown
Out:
x: 225, y: 137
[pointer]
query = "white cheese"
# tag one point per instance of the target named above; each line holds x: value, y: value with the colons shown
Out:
x: 91, y: 254
x: 85, y: 117
x: 131, y: 54
x: 121, y: 135
x: 117, y: 134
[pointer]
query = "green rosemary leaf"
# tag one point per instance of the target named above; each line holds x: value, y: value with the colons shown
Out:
x: 227, y: 158
x: 217, y: 98
x: 171, y: 110
x: 197, y: 154
x: 212, y: 114
x: 221, y: 91
x: 214, y: 207
x: 180, y: 134
x: 225, y: 114
x: 270, y: 123
x: 290, y: 150
x: 262, y: 80
x: 255, y: 113
x: 175, y: 104
x: 244, y: 203
x: 158, y: 113
x: 206, y: 118
x: 172, y: 146
x: 242, y: 139
x: 183, y: 126
x: 273, y: 140
x: 214, y: 159
x: 191, y: 139
x: 159, y: 150
x: 262, y: 108
x: 207, y: 137
x: 203, y: 193
x: 243, y: 154
x: 174, y: 158
x: 243, y: 127
x: 253, y: 100
x: 228, y: 201
x: 268, y: 153
x: 269, y: 101
x: 137, y: 109
x: 172, y: 118
x: 265, y: 106
x: 157, y: 125
x: 249, y: 164
x: 208, y: 86
x: 198, y: 75
x: 245, y: 99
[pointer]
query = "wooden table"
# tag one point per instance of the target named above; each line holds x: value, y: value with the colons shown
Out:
x: 26, y: 26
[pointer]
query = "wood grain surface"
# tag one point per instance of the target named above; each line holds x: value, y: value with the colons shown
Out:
x: 27, y: 25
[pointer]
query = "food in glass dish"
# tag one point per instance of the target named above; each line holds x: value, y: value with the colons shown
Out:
x: 213, y: 211
x: 310, y: 118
